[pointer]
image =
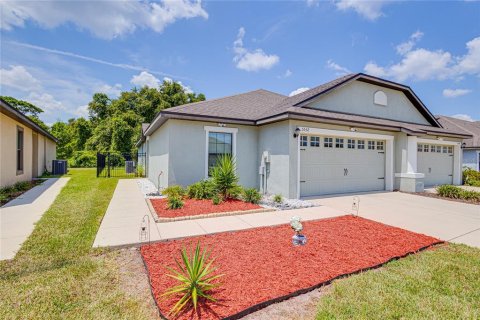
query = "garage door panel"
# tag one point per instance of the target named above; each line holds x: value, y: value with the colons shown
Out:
x: 437, y: 166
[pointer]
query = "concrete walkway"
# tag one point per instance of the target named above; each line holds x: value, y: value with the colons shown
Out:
x: 447, y: 220
x: 18, y: 217
x: 122, y: 221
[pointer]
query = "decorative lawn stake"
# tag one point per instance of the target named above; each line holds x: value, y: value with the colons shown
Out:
x: 144, y: 234
x: 355, y: 205
x: 298, y: 239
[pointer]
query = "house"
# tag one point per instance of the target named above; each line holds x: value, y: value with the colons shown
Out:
x: 356, y: 133
x: 26, y: 150
x: 471, y: 146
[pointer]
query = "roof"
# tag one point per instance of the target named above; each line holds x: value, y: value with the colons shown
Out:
x: 13, y: 113
x: 144, y: 127
x: 261, y: 107
x: 469, y: 127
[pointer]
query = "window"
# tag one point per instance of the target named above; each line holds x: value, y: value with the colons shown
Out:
x: 445, y: 149
x: 439, y: 149
x: 328, y: 142
x: 380, y: 98
x: 351, y: 144
x: 361, y: 144
x: 450, y: 149
x: 379, y: 145
x: 420, y: 148
x: 303, y: 141
x: 432, y: 148
x: 19, y: 150
x: 425, y: 148
x: 314, y: 141
x: 371, y: 145
x: 219, y: 143
x: 338, y: 143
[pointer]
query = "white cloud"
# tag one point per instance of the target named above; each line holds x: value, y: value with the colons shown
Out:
x: 81, y: 111
x: 312, y: 3
x: 251, y: 60
x: 424, y: 64
x: 113, y: 91
x: 453, y: 93
x: 299, y: 90
x: 45, y: 101
x: 19, y: 78
x: 465, y: 117
x: 104, y: 19
x: 339, y: 70
x: 369, y: 9
x: 407, y: 46
x: 185, y: 87
x: 287, y: 74
x: 145, y: 79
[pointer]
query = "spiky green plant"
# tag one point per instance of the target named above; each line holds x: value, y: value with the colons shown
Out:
x: 224, y: 177
x: 195, y: 277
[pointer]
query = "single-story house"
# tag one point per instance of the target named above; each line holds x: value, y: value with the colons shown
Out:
x: 353, y: 134
x: 26, y: 149
x: 471, y: 146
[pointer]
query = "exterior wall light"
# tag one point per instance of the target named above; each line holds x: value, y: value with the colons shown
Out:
x: 222, y: 125
x: 296, y: 133
x: 464, y: 145
x: 353, y: 129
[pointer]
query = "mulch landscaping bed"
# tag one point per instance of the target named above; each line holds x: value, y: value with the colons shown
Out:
x: 261, y: 266
x: 193, y: 207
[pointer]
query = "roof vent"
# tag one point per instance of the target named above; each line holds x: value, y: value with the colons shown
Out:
x: 380, y: 98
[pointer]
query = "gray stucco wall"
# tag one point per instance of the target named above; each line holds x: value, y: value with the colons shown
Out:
x: 357, y: 98
x: 470, y: 159
x: 158, y: 157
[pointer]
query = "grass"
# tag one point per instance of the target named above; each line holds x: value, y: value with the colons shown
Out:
x: 57, y: 274
x: 436, y: 284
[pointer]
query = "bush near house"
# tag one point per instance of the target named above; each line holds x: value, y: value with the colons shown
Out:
x: 454, y: 192
x: 251, y: 195
x: 471, y: 177
x: 174, y: 191
x: 9, y: 193
x: 204, y: 189
x: 225, y: 179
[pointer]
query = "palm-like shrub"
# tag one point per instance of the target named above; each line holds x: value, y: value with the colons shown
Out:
x: 251, y: 195
x: 224, y: 177
x: 278, y: 198
x: 195, y: 274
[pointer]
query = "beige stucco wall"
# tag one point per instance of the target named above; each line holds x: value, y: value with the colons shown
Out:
x: 8, y: 153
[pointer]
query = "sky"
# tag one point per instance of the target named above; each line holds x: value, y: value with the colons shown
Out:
x: 56, y: 54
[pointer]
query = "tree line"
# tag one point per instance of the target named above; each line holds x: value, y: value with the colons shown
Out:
x: 113, y: 125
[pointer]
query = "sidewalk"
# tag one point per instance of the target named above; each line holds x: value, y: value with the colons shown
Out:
x: 18, y: 217
x: 122, y: 221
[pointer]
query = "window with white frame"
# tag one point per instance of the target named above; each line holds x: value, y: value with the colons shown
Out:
x: 360, y: 144
x: 371, y: 145
x: 445, y: 149
x: 380, y: 145
x: 338, y: 142
x: 425, y: 148
x: 420, y: 147
x: 328, y: 142
x: 351, y: 143
x: 303, y: 141
x: 314, y: 141
x: 432, y: 148
x: 219, y: 143
x: 450, y: 149
x: 439, y: 149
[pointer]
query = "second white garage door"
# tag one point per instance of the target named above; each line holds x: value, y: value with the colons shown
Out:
x: 436, y: 162
x: 331, y: 165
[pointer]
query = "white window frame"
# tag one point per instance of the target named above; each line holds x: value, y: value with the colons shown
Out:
x: 361, y: 144
x: 302, y: 141
x: 478, y: 160
x: 315, y: 141
x: 209, y: 129
x: 351, y: 144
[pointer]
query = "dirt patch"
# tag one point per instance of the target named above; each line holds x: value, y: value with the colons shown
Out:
x: 193, y: 207
x: 261, y: 266
x: 436, y: 196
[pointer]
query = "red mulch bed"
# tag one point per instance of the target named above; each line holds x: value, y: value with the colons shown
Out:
x: 261, y: 264
x: 193, y: 207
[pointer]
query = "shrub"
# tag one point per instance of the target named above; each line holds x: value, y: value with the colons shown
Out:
x: 22, y: 186
x: 470, y: 195
x: 174, y: 202
x: 278, y: 198
x: 174, y: 191
x: 83, y: 159
x: 196, y: 279
x: 251, y: 195
x: 471, y: 177
x: 225, y: 178
x: 216, y: 199
x: 449, y: 191
x: 140, y: 170
x: 204, y: 189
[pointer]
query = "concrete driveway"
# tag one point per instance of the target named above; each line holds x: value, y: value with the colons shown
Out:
x: 447, y: 220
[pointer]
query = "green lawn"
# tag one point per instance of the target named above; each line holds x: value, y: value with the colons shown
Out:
x: 436, y: 284
x: 57, y: 274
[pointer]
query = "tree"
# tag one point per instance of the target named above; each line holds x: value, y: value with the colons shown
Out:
x: 98, y: 108
x: 28, y: 109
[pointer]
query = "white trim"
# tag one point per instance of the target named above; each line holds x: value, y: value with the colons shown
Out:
x: 389, y: 175
x: 209, y: 129
x: 435, y: 141
x: 457, y: 157
x: 410, y: 175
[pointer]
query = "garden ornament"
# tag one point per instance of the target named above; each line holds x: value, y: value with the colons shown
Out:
x: 144, y: 234
x: 298, y: 239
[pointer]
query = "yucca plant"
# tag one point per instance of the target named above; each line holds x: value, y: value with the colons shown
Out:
x: 195, y: 274
x: 224, y: 177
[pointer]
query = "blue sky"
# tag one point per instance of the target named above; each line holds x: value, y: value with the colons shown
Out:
x: 57, y: 54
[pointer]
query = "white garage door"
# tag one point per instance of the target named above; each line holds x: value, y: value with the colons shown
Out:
x: 331, y: 165
x: 436, y: 162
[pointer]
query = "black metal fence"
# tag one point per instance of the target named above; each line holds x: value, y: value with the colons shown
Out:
x: 115, y: 164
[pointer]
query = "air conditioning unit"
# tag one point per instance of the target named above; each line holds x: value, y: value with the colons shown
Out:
x: 129, y: 166
x: 59, y: 167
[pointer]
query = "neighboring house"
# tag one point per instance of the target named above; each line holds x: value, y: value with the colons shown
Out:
x: 471, y: 147
x: 26, y: 150
x: 356, y: 133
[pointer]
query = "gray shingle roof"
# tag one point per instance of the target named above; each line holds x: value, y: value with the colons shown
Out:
x: 472, y: 128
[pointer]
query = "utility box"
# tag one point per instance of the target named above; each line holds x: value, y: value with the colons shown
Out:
x: 129, y: 166
x: 59, y: 167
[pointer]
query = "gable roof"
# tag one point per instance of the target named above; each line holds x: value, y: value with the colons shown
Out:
x: 469, y: 127
x: 13, y: 113
x: 261, y: 107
